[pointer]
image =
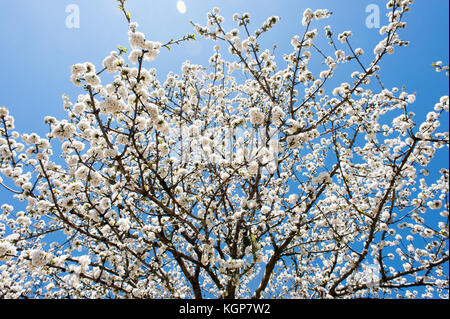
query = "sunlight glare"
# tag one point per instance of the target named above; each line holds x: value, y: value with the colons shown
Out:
x: 181, y: 6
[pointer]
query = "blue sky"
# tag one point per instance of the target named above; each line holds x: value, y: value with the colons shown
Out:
x: 38, y: 49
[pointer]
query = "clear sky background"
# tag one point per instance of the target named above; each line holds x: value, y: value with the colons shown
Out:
x: 37, y: 49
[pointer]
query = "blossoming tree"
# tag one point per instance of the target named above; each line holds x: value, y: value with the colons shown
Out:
x: 241, y: 179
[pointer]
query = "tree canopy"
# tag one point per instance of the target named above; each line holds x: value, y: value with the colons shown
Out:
x: 246, y: 177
